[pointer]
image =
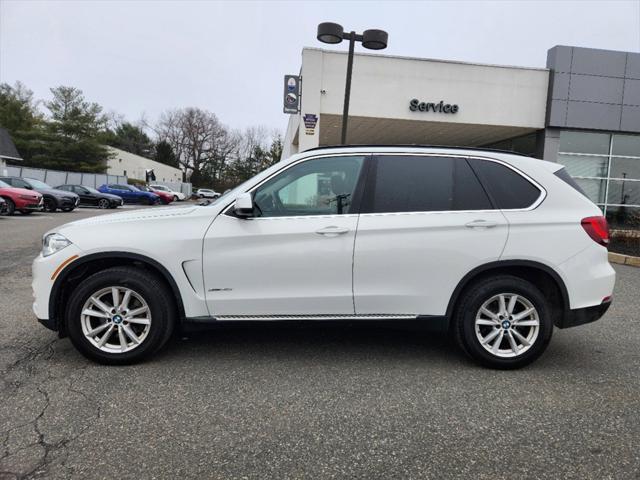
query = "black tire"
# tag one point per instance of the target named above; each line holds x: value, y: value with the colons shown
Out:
x: 11, y: 207
x: 146, y: 284
x: 50, y: 204
x: 103, y: 203
x: 464, y: 327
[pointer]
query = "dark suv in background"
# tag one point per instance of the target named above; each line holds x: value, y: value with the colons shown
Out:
x: 53, y: 199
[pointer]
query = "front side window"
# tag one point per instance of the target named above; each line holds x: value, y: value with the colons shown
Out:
x: 323, y: 186
x: 421, y: 183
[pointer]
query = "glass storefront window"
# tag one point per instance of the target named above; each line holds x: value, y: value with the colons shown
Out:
x: 607, y: 167
x: 623, y: 193
x: 594, y: 188
x: 624, y: 167
x: 584, y: 166
x: 579, y: 142
x: 626, y: 145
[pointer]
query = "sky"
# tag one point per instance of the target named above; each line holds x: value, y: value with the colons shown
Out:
x: 139, y: 58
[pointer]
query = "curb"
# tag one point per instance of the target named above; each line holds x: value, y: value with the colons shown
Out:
x: 624, y: 259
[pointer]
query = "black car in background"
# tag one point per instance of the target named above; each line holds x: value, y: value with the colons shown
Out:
x: 92, y: 197
x: 53, y: 199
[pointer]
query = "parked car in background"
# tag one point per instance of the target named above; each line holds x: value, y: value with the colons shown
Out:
x: 20, y: 199
x: 53, y: 199
x: 165, y: 198
x: 496, y: 248
x: 93, y: 198
x: 130, y: 194
x: 177, y: 196
x: 3, y: 206
x: 206, y: 193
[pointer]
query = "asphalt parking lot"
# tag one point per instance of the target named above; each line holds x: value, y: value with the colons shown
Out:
x: 312, y: 401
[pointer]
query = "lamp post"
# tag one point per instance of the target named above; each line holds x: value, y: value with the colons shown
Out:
x: 333, y: 33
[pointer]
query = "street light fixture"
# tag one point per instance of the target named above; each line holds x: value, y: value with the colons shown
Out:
x: 332, y: 33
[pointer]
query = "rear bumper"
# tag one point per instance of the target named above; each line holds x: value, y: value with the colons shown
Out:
x: 580, y: 316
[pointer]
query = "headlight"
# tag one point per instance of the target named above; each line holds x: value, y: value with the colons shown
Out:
x: 53, y: 243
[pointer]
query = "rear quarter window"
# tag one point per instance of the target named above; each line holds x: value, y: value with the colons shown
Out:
x: 508, y: 189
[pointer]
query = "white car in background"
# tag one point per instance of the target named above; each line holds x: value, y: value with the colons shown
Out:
x: 176, y: 195
x: 495, y: 247
x: 207, y: 193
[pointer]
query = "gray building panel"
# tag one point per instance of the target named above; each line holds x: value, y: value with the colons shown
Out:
x: 560, y: 86
x: 601, y: 116
x: 558, y: 113
x: 633, y: 65
x: 560, y: 57
x: 603, y: 89
x: 588, y: 88
x: 590, y: 61
x: 630, y: 121
x: 631, y: 92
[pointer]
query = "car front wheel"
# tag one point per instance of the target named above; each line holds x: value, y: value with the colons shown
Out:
x: 11, y: 207
x: 50, y: 204
x: 103, y: 203
x: 503, y: 322
x: 120, y: 315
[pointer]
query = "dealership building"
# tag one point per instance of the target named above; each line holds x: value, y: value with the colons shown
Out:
x: 582, y: 111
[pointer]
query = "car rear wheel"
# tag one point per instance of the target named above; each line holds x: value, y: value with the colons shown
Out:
x: 120, y: 316
x: 103, y: 203
x: 503, y: 322
x: 11, y: 207
x: 50, y: 204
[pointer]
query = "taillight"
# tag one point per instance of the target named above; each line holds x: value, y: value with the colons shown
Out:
x: 597, y: 229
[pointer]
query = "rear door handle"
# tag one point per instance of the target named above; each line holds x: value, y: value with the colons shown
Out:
x: 332, y: 231
x: 481, y: 224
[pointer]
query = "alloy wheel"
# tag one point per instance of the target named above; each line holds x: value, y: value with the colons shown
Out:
x: 103, y: 203
x: 507, y: 325
x: 115, y: 319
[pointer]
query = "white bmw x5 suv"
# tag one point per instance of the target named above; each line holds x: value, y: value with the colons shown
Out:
x: 495, y: 246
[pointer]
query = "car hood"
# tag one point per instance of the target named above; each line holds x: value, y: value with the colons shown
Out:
x: 57, y: 193
x: 110, y: 196
x: 19, y: 191
x: 130, y: 217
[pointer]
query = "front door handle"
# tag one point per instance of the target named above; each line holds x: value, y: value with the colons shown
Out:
x: 481, y: 224
x: 332, y: 231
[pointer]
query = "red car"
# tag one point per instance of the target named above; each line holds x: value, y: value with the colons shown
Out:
x: 21, y: 199
x: 165, y: 197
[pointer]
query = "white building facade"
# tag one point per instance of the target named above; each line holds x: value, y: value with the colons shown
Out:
x: 135, y: 166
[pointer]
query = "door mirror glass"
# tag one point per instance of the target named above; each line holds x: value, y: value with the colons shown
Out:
x: 244, y: 205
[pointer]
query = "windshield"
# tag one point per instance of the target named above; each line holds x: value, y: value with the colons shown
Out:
x: 4, y: 185
x: 92, y: 190
x: 36, y: 183
x: 160, y: 187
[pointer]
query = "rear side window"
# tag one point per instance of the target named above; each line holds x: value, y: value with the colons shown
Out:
x: 563, y: 175
x: 416, y: 183
x: 508, y: 189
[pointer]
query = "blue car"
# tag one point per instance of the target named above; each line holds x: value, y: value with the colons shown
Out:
x: 130, y: 194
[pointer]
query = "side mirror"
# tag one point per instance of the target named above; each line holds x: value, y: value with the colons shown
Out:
x: 244, y: 205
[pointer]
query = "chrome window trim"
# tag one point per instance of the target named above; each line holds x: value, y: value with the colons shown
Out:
x: 533, y: 206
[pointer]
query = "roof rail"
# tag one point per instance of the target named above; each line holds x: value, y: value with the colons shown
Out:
x: 415, y: 145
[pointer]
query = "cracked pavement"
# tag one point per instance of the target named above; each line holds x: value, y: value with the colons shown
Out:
x: 312, y: 401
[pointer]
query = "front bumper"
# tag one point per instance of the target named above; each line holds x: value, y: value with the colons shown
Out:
x: 30, y: 205
x: 580, y: 316
x: 68, y: 202
x: 44, y: 272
